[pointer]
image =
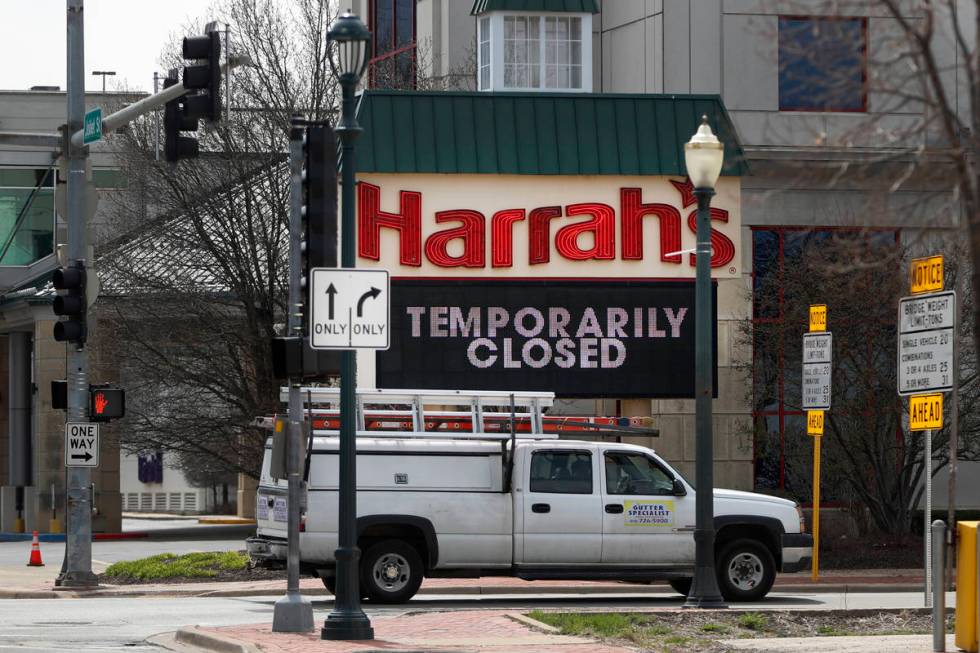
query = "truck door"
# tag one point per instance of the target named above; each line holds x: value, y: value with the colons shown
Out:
x: 562, y: 511
x: 643, y: 521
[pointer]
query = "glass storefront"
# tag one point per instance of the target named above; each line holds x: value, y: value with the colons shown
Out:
x: 27, y: 215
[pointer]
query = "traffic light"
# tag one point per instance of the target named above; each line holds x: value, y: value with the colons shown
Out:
x: 106, y: 403
x: 176, y: 120
x: 204, y: 76
x: 319, y: 246
x: 70, y: 303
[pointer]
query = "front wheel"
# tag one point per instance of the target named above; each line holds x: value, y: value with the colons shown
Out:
x: 746, y: 571
x: 391, y: 572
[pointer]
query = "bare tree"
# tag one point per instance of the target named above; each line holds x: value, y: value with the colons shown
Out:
x: 198, y: 270
x: 871, y: 465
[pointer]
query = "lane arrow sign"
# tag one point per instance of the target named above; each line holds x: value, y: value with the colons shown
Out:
x: 87, y: 457
x: 332, y: 292
x: 373, y: 294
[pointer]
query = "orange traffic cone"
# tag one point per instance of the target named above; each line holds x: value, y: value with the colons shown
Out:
x: 35, y: 560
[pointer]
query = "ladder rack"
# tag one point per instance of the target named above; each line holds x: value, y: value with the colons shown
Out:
x: 455, y: 414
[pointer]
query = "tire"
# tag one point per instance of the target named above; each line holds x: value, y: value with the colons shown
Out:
x: 330, y: 582
x: 682, y: 585
x: 391, y: 572
x: 746, y: 571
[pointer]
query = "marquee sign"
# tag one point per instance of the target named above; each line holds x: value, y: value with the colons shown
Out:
x: 575, y: 338
x: 533, y: 226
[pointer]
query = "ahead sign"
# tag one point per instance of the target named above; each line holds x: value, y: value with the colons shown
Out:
x: 81, y: 444
x: 349, y: 309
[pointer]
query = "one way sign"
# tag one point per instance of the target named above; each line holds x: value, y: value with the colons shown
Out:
x: 81, y: 444
x: 349, y: 308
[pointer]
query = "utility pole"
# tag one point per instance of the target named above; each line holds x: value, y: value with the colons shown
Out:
x: 79, y: 509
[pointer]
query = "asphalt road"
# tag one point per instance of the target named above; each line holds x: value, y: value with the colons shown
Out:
x: 114, y: 624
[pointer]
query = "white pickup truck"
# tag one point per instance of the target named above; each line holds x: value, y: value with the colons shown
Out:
x: 437, y: 505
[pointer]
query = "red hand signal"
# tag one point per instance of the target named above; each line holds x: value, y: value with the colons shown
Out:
x: 100, y: 403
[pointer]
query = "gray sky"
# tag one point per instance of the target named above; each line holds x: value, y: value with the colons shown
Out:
x: 126, y: 36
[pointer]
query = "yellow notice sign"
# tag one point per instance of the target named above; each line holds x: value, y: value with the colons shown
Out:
x: 814, y: 422
x: 818, y: 317
x: 925, y: 412
x: 927, y: 274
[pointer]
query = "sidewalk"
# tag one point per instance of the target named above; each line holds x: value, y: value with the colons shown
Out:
x: 483, y: 631
x: 38, y: 582
x: 499, y: 632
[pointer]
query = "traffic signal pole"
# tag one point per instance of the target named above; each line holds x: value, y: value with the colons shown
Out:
x: 78, y: 572
x: 294, y: 613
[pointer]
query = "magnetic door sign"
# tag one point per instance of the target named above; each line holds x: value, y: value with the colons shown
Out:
x: 818, y: 317
x: 927, y: 274
x: 925, y: 412
x: 814, y: 422
x: 574, y: 338
x: 649, y: 513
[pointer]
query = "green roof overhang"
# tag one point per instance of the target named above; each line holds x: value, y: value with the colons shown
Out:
x: 537, y: 133
x: 566, y: 6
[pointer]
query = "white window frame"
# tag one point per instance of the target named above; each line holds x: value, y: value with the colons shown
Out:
x: 497, y: 48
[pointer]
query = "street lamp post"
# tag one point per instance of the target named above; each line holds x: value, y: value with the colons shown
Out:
x: 347, y: 621
x: 704, y: 155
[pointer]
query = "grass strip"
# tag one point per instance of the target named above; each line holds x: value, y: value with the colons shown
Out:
x: 169, y: 565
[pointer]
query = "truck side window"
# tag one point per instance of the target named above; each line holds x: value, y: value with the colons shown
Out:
x: 561, y: 472
x: 635, y: 474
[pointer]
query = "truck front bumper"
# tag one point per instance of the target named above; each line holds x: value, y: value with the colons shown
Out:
x: 267, y: 551
x: 797, y: 552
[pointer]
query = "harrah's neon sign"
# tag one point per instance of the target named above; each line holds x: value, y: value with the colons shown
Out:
x: 470, y: 231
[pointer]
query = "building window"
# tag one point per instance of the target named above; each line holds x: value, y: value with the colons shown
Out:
x: 392, y: 62
x: 563, y: 52
x: 543, y: 52
x: 522, y: 52
x: 27, y: 217
x: 823, y: 64
x: 484, y: 53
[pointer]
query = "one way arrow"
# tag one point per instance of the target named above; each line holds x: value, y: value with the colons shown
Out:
x: 373, y: 293
x: 87, y: 457
x: 332, y: 292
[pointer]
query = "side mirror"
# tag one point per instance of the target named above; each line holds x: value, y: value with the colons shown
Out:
x: 679, y: 489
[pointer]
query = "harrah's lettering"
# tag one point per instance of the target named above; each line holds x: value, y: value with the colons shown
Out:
x: 573, y: 231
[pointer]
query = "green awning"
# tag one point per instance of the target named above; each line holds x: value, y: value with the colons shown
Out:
x: 537, y: 133
x: 567, y: 6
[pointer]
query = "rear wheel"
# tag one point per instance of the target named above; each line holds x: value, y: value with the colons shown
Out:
x: 682, y: 585
x: 391, y: 572
x: 746, y: 570
x: 330, y: 582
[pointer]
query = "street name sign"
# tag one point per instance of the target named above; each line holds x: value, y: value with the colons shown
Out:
x: 350, y: 309
x: 817, y: 358
x: 926, y: 274
x: 92, y: 130
x: 926, y: 412
x: 81, y: 444
x: 925, y: 343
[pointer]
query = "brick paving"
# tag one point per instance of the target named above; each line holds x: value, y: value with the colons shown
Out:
x: 458, y: 632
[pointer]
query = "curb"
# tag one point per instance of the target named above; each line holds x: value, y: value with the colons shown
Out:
x: 533, y: 624
x: 483, y: 590
x: 226, y: 521
x: 212, y: 642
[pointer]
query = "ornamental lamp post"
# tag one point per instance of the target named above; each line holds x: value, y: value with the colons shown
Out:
x: 349, y: 60
x: 704, y: 156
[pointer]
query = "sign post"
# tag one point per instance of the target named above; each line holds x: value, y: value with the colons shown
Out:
x: 926, y: 332
x: 818, y: 346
